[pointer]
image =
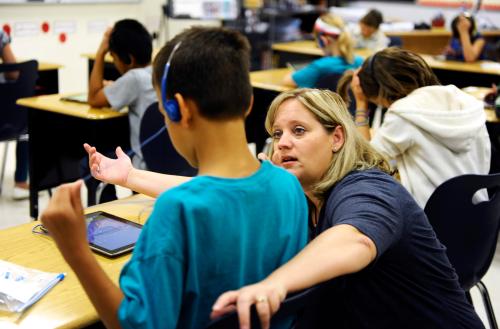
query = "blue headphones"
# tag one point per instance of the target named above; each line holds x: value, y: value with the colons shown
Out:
x: 171, y: 106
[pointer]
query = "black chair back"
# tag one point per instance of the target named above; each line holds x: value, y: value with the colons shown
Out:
x: 330, y: 82
x: 469, y: 231
x: 292, y: 306
x: 159, y: 154
x: 13, y: 118
x: 395, y: 42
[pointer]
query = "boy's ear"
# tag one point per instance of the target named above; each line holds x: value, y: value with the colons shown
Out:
x: 249, y: 109
x: 186, y: 110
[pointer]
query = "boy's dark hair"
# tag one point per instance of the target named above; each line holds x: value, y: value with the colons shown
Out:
x: 393, y: 73
x: 130, y: 38
x: 373, y: 18
x: 454, y: 23
x: 211, y: 68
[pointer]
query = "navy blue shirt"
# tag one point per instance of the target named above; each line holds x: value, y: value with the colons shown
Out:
x: 411, y: 283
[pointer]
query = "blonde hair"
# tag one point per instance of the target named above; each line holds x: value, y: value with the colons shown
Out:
x: 328, y: 108
x: 344, y: 40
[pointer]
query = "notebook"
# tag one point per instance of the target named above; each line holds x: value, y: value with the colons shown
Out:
x: 21, y: 287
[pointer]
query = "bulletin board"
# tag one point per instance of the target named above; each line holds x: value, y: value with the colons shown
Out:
x: 468, y: 4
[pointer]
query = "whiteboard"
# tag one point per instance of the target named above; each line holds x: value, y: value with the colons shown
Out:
x: 205, y: 9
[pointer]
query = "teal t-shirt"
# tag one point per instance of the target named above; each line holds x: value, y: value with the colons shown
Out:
x: 208, y: 236
x: 309, y: 75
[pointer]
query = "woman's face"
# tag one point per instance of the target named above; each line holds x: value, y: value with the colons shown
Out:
x: 301, y: 144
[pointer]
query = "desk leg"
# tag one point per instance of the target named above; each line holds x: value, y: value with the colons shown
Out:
x: 31, y: 170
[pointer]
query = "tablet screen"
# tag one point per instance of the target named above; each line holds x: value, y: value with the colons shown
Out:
x: 111, y: 235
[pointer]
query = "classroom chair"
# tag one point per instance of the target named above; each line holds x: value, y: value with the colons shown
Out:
x: 13, y: 118
x: 159, y: 153
x: 395, y: 42
x: 330, y: 82
x: 294, y: 305
x: 469, y: 231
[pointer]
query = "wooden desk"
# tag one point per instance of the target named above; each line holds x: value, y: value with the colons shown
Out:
x: 57, y: 131
x: 271, y: 80
x: 431, y: 42
x: 303, y: 51
x: 66, y: 305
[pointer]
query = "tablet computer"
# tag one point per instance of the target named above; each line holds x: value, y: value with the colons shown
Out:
x: 111, y: 235
x: 79, y: 98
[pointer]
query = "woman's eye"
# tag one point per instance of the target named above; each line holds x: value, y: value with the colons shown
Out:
x: 277, y: 134
x: 299, y: 130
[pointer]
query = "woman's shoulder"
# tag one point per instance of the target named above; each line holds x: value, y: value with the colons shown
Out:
x: 365, y: 181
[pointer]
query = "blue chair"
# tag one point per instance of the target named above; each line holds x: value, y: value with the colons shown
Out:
x: 159, y: 154
x: 293, y: 306
x: 13, y: 118
x: 395, y: 42
x: 469, y: 231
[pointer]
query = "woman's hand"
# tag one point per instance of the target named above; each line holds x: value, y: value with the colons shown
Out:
x: 113, y: 171
x: 357, y: 91
x: 267, y: 297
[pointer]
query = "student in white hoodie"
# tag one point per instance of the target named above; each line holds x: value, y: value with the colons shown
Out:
x: 433, y: 132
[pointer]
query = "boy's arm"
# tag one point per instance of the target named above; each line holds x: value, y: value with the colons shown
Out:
x: 96, y: 96
x: 65, y: 222
x: 340, y: 250
x: 120, y: 171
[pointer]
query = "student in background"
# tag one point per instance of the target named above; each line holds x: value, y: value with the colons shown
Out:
x: 21, y: 186
x: 433, y: 132
x: 130, y: 46
x: 368, y: 232
x: 368, y: 34
x: 230, y: 226
x: 337, y: 45
x: 466, y: 44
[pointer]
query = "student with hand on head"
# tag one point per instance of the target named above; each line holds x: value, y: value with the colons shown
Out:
x: 21, y: 186
x: 130, y: 46
x: 337, y: 45
x: 433, y: 132
x: 368, y: 232
x: 368, y: 34
x: 231, y: 225
x: 466, y: 44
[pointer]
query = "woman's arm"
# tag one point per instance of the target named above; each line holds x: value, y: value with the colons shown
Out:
x: 362, y: 113
x: 288, y: 80
x: 340, y: 250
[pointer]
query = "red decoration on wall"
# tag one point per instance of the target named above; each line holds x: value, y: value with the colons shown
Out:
x: 45, y: 27
x: 62, y: 37
x: 6, y: 28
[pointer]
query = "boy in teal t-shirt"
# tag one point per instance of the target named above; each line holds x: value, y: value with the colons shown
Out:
x: 230, y: 226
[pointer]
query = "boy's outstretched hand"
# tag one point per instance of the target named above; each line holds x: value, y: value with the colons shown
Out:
x: 113, y: 171
x: 65, y: 222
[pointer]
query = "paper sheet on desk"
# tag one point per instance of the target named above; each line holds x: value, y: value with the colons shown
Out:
x: 21, y: 287
x: 491, y: 66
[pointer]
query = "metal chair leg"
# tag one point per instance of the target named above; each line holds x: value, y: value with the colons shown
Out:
x: 487, y: 305
x: 4, y: 162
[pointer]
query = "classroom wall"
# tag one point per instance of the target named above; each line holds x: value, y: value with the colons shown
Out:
x: 83, y: 25
x: 416, y: 13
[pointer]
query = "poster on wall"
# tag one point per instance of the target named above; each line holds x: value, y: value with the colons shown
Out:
x: 466, y: 4
x: 65, y: 1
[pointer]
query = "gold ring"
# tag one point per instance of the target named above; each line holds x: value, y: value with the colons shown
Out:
x: 261, y: 299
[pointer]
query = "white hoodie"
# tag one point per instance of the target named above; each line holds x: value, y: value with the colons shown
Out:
x: 435, y: 133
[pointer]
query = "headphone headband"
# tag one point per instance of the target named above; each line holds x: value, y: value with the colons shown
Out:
x: 171, y: 107
x: 327, y: 29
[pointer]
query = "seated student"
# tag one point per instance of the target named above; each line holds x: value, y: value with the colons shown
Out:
x: 336, y: 43
x: 368, y: 35
x: 230, y: 226
x: 466, y: 44
x: 130, y: 45
x: 369, y: 234
x: 21, y: 186
x: 433, y: 132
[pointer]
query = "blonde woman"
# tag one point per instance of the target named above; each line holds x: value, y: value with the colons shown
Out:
x: 337, y: 45
x: 368, y: 232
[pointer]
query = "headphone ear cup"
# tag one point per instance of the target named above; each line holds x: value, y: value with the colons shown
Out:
x: 320, y: 42
x: 173, y: 111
